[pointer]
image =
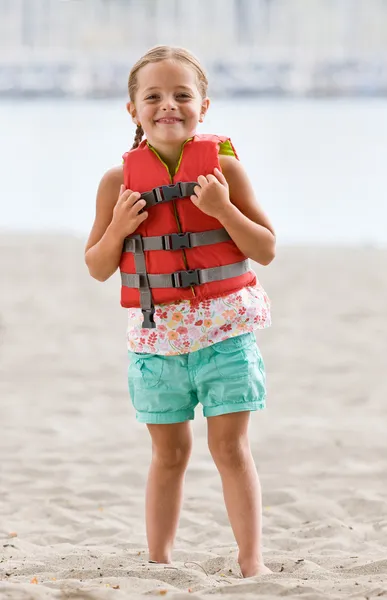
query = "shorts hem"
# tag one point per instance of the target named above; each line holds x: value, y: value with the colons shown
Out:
x: 225, y: 409
x: 169, y: 418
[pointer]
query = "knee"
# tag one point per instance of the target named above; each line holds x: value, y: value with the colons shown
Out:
x: 230, y: 454
x: 172, y: 457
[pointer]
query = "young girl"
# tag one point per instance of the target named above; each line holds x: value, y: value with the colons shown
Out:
x: 180, y: 219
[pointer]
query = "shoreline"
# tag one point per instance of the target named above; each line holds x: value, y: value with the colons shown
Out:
x: 251, y: 77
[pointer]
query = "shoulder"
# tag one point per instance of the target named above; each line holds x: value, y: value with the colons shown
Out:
x: 112, y: 180
x: 231, y: 167
x: 114, y: 176
x: 109, y: 187
x: 228, y: 162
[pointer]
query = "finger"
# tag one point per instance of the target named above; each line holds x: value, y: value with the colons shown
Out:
x: 202, y: 181
x: 122, y: 190
x: 212, y: 179
x: 194, y: 200
x: 133, y: 198
x: 220, y: 177
x: 197, y: 190
x: 137, y: 207
x: 140, y: 219
x: 125, y: 194
x: 123, y: 198
x: 142, y: 216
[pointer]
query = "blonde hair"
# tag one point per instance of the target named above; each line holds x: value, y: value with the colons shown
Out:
x: 158, y: 54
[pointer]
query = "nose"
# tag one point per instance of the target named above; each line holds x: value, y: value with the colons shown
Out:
x: 169, y: 104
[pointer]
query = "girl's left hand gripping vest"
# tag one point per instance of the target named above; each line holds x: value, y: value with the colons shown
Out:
x: 178, y: 252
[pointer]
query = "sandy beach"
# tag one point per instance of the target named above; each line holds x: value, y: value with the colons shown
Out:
x: 74, y: 460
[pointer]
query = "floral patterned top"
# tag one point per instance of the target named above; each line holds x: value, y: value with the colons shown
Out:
x: 187, y: 326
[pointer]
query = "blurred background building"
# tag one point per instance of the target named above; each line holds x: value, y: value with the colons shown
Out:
x: 284, y: 47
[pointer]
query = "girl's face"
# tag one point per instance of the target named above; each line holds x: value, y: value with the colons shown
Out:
x: 168, y: 103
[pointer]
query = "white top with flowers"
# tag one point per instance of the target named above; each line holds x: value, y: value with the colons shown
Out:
x: 187, y: 327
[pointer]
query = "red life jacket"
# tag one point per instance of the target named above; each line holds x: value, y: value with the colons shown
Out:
x: 143, y: 171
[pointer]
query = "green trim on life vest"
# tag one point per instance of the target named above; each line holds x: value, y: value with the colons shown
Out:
x: 225, y: 148
x: 171, y: 175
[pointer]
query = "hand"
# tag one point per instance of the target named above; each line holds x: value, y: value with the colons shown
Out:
x: 126, y: 214
x: 212, y: 194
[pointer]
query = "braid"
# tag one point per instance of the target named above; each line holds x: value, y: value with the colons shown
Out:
x: 137, y: 137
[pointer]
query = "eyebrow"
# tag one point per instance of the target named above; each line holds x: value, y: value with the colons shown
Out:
x: 180, y: 87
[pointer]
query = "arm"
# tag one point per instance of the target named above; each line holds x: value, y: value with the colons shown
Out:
x: 229, y: 197
x: 243, y: 218
x: 117, y: 216
x: 104, y: 247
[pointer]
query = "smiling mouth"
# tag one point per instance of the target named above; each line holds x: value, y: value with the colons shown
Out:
x: 170, y: 121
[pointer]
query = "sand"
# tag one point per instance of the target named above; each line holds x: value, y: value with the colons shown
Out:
x: 74, y: 461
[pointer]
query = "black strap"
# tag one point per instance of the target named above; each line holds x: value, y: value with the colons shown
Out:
x: 184, y: 279
x: 178, y: 241
x: 166, y: 193
x: 146, y: 302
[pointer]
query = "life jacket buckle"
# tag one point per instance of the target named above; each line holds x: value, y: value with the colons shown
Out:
x: 148, y: 318
x: 165, y: 193
x: 176, y: 241
x: 184, y: 279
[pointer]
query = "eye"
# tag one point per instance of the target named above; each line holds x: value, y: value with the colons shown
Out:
x: 151, y: 97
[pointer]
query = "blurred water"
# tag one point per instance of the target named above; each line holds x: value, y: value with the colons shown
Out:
x: 318, y: 166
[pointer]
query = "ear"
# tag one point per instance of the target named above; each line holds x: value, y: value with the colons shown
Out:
x: 204, y: 109
x: 130, y: 107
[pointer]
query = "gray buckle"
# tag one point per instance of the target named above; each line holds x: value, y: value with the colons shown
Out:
x: 164, y: 193
x: 148, y: 320
x: 183, y: 279
x: 135, y: 240
x: 176, y: 241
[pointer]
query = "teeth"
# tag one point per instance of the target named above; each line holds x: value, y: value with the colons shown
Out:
x: 169, y: 121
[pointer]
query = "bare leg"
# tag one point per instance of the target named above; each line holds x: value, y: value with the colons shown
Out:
x: 171, y: 449
x: 229, y: 446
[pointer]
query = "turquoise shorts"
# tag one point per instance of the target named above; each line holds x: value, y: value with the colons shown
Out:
x: 226, y: 377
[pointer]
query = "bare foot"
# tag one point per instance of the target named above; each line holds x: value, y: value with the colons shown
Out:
x: 255, y: 569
